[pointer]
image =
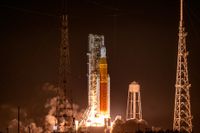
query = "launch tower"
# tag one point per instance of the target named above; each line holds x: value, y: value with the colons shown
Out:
x: 64, y: 109
x: 182, y: 110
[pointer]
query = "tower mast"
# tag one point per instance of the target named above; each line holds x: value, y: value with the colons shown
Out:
x: 182, y: 110
x: 64, y: 107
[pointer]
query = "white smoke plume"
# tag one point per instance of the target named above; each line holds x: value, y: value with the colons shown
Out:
x: 25, y: 128
x: 32, y: 128
x: 44, y: 124
x: 49, y: 87
x: 13, y: 124
x: 50, y: 119
x: 129, y: 126
x: 117, y: 125
x: 78, y: 113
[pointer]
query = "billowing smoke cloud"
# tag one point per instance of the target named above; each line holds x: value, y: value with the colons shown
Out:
x: 32, y: 128
x: 78, y: 113
x: 50, y: 119
x: 11, y: 113
x: 13, y: 124
x: 129, y: 126
x: 26, y: 128
x: 117, y: 125
x: 49, y: 87
x: 45, y: 123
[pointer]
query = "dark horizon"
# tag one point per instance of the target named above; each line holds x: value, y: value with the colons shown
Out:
x: 141, y: 39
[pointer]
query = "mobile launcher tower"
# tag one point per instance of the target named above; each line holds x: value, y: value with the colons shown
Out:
x: 98, y: 111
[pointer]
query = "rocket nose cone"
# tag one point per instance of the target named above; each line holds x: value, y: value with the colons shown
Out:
x: 103, y: 51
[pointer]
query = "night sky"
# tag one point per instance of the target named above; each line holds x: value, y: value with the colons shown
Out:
x: 141, y: 38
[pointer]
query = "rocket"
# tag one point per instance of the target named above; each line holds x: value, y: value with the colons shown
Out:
x: 98, y: 112
x: 104, y: 84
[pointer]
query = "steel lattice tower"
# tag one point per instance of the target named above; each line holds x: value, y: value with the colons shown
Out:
x: 64, y: 109
x: 182, y: 110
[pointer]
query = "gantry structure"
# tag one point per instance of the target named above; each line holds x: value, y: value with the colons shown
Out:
x: 64, y: 105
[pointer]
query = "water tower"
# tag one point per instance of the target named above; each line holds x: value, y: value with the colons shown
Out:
x: 134, y: 109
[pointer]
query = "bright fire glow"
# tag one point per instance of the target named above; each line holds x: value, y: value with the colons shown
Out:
x: 97, y: 121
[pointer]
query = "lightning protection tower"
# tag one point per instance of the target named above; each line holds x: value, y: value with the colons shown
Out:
x: 182, y: 110
x: 134, y: 109
x: 64, y: 108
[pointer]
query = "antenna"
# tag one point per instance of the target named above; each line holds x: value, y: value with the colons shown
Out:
x: 181, y: 13
x: 65, y: 7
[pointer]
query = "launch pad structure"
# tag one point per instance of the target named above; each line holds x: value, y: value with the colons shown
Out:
x: 97, y: 113
x: 64, y: 104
